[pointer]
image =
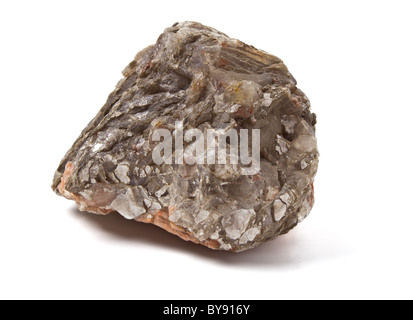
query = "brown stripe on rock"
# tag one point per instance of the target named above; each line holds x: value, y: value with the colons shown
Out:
x: 161, y: 219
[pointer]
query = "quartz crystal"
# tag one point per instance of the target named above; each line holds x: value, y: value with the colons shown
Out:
x: 198, y: 78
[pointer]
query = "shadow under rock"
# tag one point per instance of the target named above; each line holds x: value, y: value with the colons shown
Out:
x: 286, y: 251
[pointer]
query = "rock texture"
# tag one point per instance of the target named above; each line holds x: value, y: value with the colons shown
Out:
x: 206, y: 79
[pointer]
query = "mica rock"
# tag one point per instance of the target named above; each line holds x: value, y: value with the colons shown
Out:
x: 200, y: 76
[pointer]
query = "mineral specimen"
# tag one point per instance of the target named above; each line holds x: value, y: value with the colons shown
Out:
x: 196, y: 77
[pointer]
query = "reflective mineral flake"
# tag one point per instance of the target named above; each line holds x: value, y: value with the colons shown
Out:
x: 200, y: 76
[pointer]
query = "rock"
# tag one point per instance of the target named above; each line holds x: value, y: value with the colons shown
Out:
x: 149, y: 155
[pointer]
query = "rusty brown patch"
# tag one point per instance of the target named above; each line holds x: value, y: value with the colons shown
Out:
x: 82, y: 203
x: 161, y: 219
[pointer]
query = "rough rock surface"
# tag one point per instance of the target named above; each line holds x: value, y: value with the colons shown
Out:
x: 206, y: 79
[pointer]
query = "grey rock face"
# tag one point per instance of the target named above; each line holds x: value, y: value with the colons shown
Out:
x: 198, y: 75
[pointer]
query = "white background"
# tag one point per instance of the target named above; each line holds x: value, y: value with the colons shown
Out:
x: 60, y: 60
